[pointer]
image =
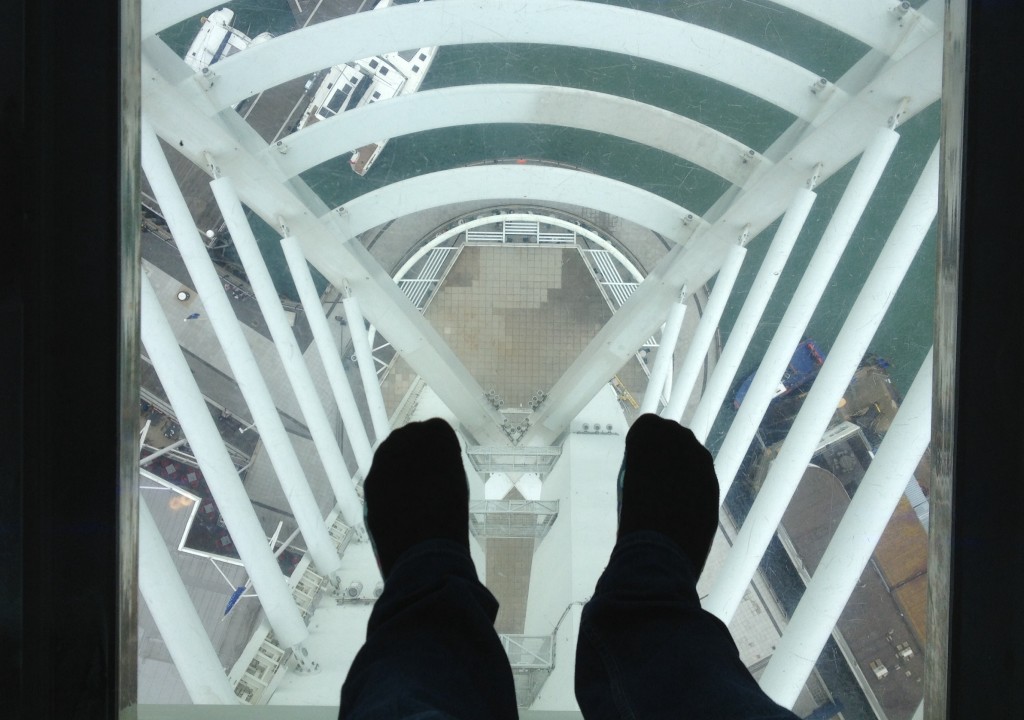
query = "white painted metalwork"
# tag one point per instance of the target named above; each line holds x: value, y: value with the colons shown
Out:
x: 220, y: 474
x: 490, y: 218
x: 508, y: 103
x: 697, y: 350
x: 836, y: 123
x: 614, y: 29
x: 852, y: 544
x: 180, y: 627
x: 421, y: 288
x: 830, y: 385
x: 742, y: 331
x: 296, y: 488
x: 513, y: 181
x: 367, y: 369
x: 802, y: 305
x: 663, y: 360
x: 237, y: 351
x: 874, y: 22
x: 329, y: 355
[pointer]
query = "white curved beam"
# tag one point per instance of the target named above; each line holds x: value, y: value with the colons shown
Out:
x: 524, y: 216
x: 458, y: 22
x: 876, y: 23
x: 912, y: 83
x: 513, y: 182
x: 508, y: 103
x: 873, y: 22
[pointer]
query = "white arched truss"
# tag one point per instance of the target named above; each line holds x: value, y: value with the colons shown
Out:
x: 514, y: 182
x: 876, y: 23
x: 696, y: 49
x: 507, y: 103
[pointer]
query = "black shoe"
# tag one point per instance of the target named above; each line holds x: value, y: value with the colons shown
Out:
x: 667, y: 483
x: 416, y: 490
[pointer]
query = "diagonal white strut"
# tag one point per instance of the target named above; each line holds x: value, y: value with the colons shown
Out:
x: 219, y: 472
x: 329, y: 354
x: 687, y: 377
x: 852, y: 544
x: 177, y: 620
x: 294, y: 365
x: 666, y: 350
x: 239, y: 355
x: 802, y: 306
x: 750, y: 315
x: 830, y: 385
x: 367, y: 368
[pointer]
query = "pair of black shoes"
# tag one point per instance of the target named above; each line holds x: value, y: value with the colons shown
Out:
x: 416, y: 489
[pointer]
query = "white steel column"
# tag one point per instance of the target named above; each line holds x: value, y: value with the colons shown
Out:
x: 830, y: 385
x: 367, y: 368
x: 329, y: 354
x: 314, y: 532
x: 852, y: 544
x: 180, y: 627
x: 705, y: 333
x: 240, y: 358
x: 663, y: 360
x: 802, y: 306
x: 750, y: 315
x: 219, y: 471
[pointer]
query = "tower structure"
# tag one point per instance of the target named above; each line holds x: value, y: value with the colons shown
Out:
x: 634, y: 215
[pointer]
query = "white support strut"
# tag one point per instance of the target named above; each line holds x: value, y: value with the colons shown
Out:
x: 177, y: 620
x: 221, y: 476
x: 851, y: 546
x: 367, y: 369
x: 750, y: 315
x: 819, y: 406
x: 239, y: 355
x: 705, y: 333
x: 325, y: 345
x: 802, y: 306
x: 663, y: 359
x: 317, y: 539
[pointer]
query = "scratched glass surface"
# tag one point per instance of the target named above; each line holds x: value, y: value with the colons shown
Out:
x: 520, y: 290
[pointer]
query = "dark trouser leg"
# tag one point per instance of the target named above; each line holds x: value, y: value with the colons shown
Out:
x: 647, y: 650
x: 431, y: 650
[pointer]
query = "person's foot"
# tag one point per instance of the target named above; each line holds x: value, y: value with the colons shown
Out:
x: 667, y: 483
x: 416, y: 490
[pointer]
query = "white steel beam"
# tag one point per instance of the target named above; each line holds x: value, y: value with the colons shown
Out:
x: 511, y: 103
x: 239, y: 355
x: 873, y: 22
x: 367, y: 368
x: 263, y: 188
x: 801, y: 307
x: 742, y: 331
x: 910, y: 84
x: 219, y: 471
x: 682, y: 387
x: 852, y: 544
x: 663, y: 359
x: 326, y: 244
x: 297, y: 489
x: 513, y: 182
x: 881, y: 24
x: 706, y: 52
x: 177, y: 620
x: 819, y: 406
x: 329, y: 354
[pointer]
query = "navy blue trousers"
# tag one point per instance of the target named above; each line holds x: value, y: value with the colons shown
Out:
x: 646, y: 650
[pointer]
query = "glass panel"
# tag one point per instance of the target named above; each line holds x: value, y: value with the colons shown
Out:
x: 540, y: 239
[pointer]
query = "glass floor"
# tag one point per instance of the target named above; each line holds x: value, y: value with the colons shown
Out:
x: 538, y: 221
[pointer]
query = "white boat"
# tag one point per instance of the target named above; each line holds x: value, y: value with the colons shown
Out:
x: 217, y: 39
x: 367, y: 81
